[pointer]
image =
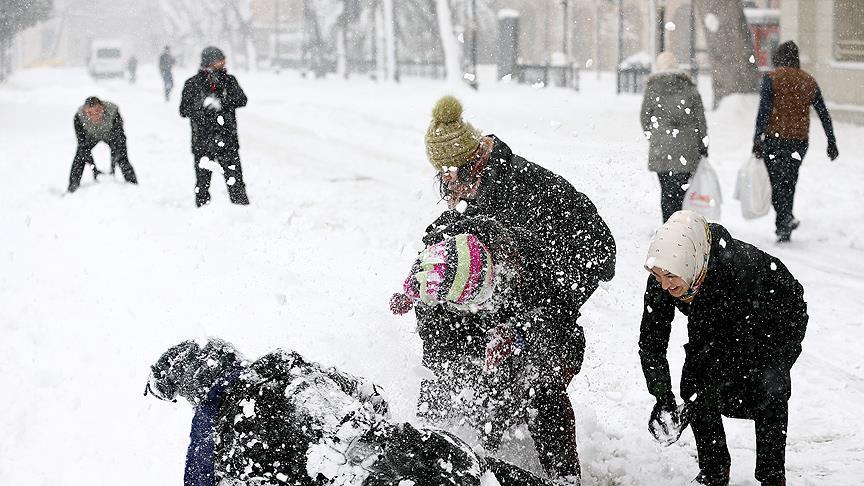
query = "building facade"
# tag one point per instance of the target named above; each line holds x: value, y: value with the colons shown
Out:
x: 830, y: 34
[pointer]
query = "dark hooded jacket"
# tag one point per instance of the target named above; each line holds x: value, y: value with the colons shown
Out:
x: 673, y: 114
x: 745, y: 327
x: 262, y: 423
x: 521, y: 194
x: 533, y: 298
x: 214, y: 131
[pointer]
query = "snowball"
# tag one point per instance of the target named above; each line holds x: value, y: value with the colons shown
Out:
x: 589, y: 63
x: 670, y: 26
x: 220, y: 120
x: 507, y: 77
x: 796, y: 156
x: 683, y: 160
x: 469, y: 77
x: 231, y: 181
x: 773, y: 266
x: 687, y: 110
x: 752, y: 59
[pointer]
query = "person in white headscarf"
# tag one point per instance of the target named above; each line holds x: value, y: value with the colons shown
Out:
x: 746, y: 321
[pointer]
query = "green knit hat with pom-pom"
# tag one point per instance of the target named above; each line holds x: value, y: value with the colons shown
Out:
x: 450, y: 139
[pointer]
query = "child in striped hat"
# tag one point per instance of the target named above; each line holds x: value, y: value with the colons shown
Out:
x: 457, y: 271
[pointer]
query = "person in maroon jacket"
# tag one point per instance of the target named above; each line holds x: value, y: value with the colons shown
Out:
x: 782, y: 130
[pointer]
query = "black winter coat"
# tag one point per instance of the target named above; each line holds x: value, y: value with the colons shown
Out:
x: 537, y: 302
x: 521, y: 194
x: 214, y: 131
x: 745, y: 326
x: 279, y: 407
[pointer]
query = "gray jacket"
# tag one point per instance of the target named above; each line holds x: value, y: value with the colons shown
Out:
x: 672, y: 114
x: 97, y: 131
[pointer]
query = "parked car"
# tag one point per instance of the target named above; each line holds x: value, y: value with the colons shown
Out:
x: 106, y: 59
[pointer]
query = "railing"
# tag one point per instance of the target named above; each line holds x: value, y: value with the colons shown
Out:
x: 632, y: 79
x: 563, y: 76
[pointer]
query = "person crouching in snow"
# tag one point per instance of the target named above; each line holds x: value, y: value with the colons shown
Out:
x: 746, y: 320
x: 99, y: 121
x: 285, y: 420
x: 501, y: 337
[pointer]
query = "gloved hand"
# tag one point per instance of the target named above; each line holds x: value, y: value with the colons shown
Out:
x: 503, y: 342
x: 668, y: 421
x: 833, y: 153
x: 758, y: 149
x: 703, y: 151
x: 213, y: 103
x: 400, y: 304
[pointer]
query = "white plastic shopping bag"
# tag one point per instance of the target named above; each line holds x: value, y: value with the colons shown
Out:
x: 753, y: 189
x: 703, y: 192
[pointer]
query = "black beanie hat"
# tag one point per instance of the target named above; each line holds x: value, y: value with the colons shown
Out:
x: 786, y: 55
x: 210, y: 55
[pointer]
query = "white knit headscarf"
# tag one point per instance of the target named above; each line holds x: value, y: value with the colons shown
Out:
x: 680, y: 246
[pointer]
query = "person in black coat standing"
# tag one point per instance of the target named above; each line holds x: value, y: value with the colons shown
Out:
x: 209, y: 101
x: 499, y: 327
x: 746, y: 321
x: 99, y: 121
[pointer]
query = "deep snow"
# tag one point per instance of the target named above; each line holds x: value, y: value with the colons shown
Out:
x: 94, y: 286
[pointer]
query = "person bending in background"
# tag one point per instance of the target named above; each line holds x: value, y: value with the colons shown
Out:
x: 99, y: 121
x: 746, y: 319
x: 209, y: 101
x: 783, y: 130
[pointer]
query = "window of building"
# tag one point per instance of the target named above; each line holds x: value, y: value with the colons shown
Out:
x: 848, y: 30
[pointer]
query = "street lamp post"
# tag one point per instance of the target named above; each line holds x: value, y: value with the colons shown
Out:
x: 661, y: 25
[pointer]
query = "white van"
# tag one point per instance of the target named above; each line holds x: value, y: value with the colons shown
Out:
x: 106, y: 59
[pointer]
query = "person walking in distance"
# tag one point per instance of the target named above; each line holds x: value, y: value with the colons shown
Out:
x: 166, y: 64
x: 209, y: 101
x: 783, y: 130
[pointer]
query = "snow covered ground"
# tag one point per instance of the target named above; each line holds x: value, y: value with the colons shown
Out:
x: 94, y: 286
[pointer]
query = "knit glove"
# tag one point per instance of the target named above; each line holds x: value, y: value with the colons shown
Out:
x: 703, y: 151
x: 504, y: 341
x: 833, y: 153
x: 758, y: 149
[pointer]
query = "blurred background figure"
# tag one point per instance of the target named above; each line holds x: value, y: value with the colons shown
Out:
x: 783, y: 130
x: 673, y: 120
x: 132, y: 67
x: 99, y: 121
x: 166, y: 64
x: 209, y: 100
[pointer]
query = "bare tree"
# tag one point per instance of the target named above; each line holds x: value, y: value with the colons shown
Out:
x: 730, y: 47
x: 15, y: 16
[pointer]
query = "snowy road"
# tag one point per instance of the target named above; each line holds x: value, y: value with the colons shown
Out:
x: 94, y: 286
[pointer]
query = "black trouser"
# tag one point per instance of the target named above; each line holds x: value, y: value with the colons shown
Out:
x: 672, y: 191
x: 554, y: 429
x: 783, y: 171
x: 119, y: 157
x: 229, y: 161
x: 771, y: 416
x: 167, y: 84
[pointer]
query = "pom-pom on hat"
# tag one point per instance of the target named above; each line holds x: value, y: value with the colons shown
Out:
x: 458, y: 270
x: 450, y: 139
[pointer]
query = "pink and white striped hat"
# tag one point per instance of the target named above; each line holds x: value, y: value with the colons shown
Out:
x: 458, y: 271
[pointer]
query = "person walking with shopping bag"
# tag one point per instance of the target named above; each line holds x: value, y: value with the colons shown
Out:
x: 782, y: 130
x: 673, y: 120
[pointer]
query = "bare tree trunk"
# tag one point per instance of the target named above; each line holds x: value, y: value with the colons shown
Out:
x: 389, y: 34
x: 452, y: 59
x: 730, y: 47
